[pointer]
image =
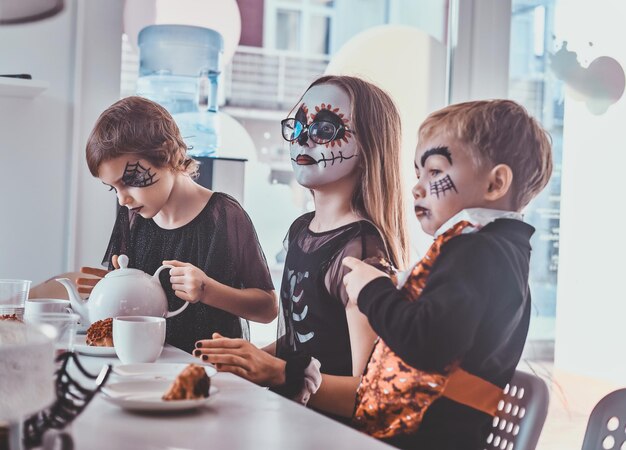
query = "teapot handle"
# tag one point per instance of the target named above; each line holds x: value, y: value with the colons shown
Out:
x: 182, y: 308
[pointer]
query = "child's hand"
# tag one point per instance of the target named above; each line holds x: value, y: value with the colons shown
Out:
x: 189, y: 283
x: 242, y: 358
x: 85, y: 285
x: 360, y: 275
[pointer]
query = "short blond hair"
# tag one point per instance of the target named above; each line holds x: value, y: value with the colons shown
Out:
x: 499, y: 132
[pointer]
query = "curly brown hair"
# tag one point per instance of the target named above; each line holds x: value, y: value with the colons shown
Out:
x: 142, y: 128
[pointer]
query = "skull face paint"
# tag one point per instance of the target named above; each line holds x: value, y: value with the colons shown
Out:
x: 317, y: 164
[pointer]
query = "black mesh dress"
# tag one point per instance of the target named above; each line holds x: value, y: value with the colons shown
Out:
x: 221, y: 241
x: 313, y: 298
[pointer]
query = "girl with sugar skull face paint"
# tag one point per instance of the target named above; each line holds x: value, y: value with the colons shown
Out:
x: 339, y: 133
x: 322, y: 146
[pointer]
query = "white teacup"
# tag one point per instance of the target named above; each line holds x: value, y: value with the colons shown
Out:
x: 138, y: 339
x: 46, y: 305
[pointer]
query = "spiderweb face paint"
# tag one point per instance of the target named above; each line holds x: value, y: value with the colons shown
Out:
x: 135, y: 175
x: 441, y: 187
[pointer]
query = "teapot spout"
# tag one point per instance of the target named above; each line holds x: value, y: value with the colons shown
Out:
x: 76, y: 302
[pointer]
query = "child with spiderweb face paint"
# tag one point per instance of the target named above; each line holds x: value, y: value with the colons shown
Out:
x: 451, y: 335
x: 165, y: 217
x: 344, y: 142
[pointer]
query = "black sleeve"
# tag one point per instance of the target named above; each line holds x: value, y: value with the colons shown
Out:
x: 362, y: 246
x: 439, y: 327
x: 250, y: 260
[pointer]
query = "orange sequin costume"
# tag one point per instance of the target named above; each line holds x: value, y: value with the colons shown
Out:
x: 393, y: 396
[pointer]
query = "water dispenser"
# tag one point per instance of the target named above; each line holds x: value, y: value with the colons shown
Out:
x: 179, y: 68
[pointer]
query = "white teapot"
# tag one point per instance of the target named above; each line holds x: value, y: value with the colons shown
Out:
x: 122, y: 292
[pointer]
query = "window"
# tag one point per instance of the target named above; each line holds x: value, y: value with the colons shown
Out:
x: 299, y: 26
x: 288, y: 30
x: 532, y: 85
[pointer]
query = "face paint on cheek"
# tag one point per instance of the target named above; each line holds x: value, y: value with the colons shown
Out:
x: 440, y: 187
x: 135, y: 175
x: 302, y: 114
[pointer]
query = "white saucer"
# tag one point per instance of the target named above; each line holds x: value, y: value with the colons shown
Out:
x: 80, y: 345
x: 145, y: 395
x: 158, y: 371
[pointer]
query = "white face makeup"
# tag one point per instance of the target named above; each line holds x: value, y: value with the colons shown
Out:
x: 316, y: 164
x: 139, y: 186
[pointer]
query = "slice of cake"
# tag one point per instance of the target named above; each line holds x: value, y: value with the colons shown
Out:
x: 100, y: 333
x: 191, y: 383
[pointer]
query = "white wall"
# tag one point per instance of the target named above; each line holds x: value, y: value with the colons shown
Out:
x: 42, y: 167
x: 98, y: 74
x: 35, y: 143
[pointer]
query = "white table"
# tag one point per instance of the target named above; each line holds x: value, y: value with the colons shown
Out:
x: 241, y: 416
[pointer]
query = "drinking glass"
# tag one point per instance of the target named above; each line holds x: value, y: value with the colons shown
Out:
x: 65, y: 325
x: 13, y: 294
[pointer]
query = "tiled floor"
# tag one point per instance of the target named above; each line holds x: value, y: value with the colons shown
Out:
x: 572, y: 397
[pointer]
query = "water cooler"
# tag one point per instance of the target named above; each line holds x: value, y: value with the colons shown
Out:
x: 179, y: 68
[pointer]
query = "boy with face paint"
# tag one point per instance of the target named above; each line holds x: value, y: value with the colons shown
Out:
x: 165, y: 217
x: 452, y: 335
x: 345, y: 147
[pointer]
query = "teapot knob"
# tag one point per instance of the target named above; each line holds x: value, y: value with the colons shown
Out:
x: 122, y: 260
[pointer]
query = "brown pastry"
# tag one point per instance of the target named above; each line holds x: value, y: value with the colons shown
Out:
x: 10, y: 317
x: 100, y: 333
x: 191, y: 383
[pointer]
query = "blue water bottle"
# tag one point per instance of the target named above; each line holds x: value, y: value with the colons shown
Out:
x: 179, y: 68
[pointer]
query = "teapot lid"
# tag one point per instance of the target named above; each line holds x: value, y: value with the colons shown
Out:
x: 122, y: 260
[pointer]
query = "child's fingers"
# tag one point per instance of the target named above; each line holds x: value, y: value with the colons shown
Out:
x: 93, y: 271
x: 219, y: 343
x: 175, y: 263
x: 87, y: 281
x: 184, y: 296
x: 351, y: 262
x: 226, y: 359
x: 232, y: 369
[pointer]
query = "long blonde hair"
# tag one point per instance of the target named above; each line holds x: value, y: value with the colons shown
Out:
x: 378, y: 195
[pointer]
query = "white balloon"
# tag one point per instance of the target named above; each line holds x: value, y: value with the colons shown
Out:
x: 220, y: 15
x: 410, y: 66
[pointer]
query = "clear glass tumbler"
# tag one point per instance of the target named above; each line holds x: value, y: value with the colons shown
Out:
x: 65, y: 325
x: 13, y: 295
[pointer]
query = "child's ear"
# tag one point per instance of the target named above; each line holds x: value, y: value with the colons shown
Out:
x: 500, y: 180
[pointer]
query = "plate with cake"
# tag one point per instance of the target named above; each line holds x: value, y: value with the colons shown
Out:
x: 98, y: 341
x: 189, y: 390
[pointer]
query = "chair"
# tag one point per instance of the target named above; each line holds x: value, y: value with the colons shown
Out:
x: 521, y: 414
x: 606, y: 428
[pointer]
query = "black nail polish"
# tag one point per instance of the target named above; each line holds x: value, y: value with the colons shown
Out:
x: 205, y: 357
x: 196, y: 352
x: 198, y: 344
